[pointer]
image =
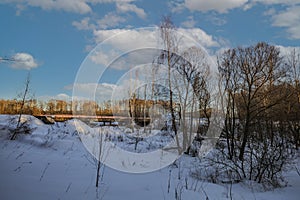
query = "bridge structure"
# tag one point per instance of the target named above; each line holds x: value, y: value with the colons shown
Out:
x: 105, y: 120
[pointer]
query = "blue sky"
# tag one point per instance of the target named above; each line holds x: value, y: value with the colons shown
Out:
x: 52, y: 38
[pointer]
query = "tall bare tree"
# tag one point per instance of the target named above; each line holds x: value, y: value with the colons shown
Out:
x: 168, y: 57
x: 256, y: 129
x: 187, y: 72
x: 293, y: 102
x: 251, y: 72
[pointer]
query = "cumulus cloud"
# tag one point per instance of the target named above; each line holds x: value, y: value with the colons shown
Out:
x: 200, y: 36
x: 23, y: 61
x: 269, y: 2
x: 84, y: 24
x: 133, y: 47
x: 86, y: 87
x: 189, y: 23
x: 215, y: 5
x: 290, y: 19
x: 92, y: 91
x: 223, y: 6
x: 110, y: 20
x: 104, y: 58
x: 129, y: 7
x: 286, y: 51
x: 176, y: 6
x: 217, y: 20
x: 125, y: 39
x: 110, y: 1
x: 75, y: 6
x: 60, y: 96
x: 125, y: 60
x: 270, y: 12
x: 252, y: 3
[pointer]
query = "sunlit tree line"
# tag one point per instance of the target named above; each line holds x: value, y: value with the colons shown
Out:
x: 51, y: 107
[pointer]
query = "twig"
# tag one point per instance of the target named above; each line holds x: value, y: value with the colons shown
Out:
x: 68, y: 187
x: 21, y: 154
x: 19, y: 168
x: 205, y: 193
x: 298, y: 172
x: 169, y: 181
x: 42, y: 176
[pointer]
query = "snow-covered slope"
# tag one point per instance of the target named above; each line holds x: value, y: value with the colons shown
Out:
x: 52, y: 163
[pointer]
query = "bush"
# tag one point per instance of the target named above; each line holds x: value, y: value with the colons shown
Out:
x: 267, y: 155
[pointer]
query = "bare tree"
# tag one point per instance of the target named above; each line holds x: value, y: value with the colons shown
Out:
x: 251, y: 72
x: 230, y: 78
x: 194, y: 96
x: 258, y: 144
x: 24, y: 96
x: 168, y: 57
x: 187, y: 73
x: 293, y: 102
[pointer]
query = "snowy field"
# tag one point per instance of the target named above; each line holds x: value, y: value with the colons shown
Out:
x: 52, y: 163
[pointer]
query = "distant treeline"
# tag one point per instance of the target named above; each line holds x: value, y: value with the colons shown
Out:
x: 52, y: 107
x: 134, y: 107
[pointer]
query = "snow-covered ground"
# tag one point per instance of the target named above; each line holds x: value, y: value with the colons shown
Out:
x: 52, y: 163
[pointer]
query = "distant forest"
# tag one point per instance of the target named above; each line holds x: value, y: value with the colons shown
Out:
x: 35, y: 107
x: 52, y: 107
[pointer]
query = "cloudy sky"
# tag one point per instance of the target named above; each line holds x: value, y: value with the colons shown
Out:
x: 51, y: 38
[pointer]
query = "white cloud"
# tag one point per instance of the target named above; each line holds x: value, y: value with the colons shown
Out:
x: 225, y: 5
x: 23, y: 61
x: 84, y: 24
x: 248, y: 6
x: 127, y: 39
x: 217, y: 20
x: 92, y: 91
x: 102, y: 35
x: 199, y: 36
x: 126, y: 86
x: 75, y: 6
x: 141, y: 46
x: 252, y: 3
x: 104, y: 91
x: 104, y: 58
x: 270, y: 12
x: 286, y: 50
x: 290, y: 19
x: 269, y: 2
x: 86, y: 87
x: 110, y: 1
x: 110, y: 20
x: 176, y: 6
x: 123, y: 60
x: 20, y: 8
x: 189, y: 23
x: 61, y: 96
x: 215, y: 5
x: 128, y: 7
